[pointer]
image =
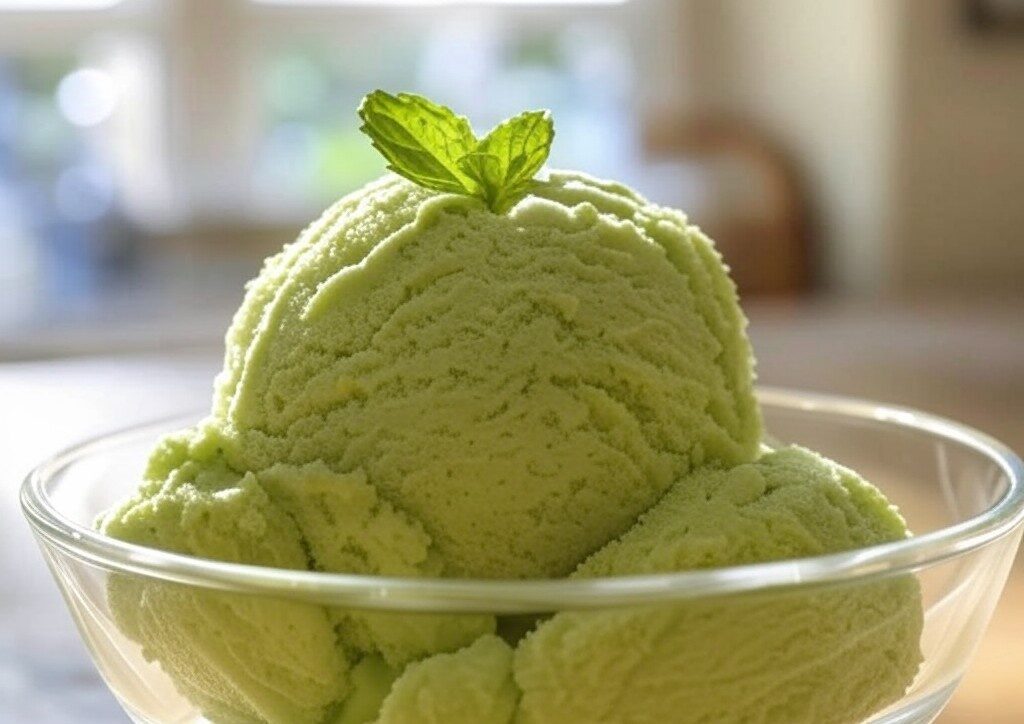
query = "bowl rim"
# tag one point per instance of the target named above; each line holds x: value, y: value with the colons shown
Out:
x: 536, y: 595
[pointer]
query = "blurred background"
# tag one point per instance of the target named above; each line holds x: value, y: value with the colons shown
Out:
x: 152, y: 152
x: 860, y: 162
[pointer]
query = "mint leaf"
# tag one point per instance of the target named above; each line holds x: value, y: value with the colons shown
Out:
x: 431, y: 146
x: 421, y: 140
x: 509, y: 156
x: 485, y: 169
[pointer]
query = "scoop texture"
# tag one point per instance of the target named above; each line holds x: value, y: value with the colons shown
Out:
x: 831, y: 655
x: 419, y: 387
x: 522, y: 385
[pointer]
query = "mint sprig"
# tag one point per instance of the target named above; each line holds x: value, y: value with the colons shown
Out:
x: 430, y: 145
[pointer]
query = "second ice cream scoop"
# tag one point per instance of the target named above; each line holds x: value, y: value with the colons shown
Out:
x: 829, y: 656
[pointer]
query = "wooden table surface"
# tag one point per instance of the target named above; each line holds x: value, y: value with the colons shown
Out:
x: 965, y: 362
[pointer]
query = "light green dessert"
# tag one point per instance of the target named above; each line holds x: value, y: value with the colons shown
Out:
x: 239, y: 658
x: 463, y: 371
x: 471, y: 686
x: 830, y: 655
x: 372, y: 680
x: 521, y: 385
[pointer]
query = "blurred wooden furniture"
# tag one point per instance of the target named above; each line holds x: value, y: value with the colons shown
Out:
x: 762, y: 228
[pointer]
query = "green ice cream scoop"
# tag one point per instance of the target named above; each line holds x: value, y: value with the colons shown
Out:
x: 471, y: 686
x: 239, y: 658
x: 523, y: 385
x: 472, y: 372
x: 248, y: 659
x: 832, y: 654
x: 491, y: 377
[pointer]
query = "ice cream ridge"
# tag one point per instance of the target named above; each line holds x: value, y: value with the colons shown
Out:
x: 471, y: 368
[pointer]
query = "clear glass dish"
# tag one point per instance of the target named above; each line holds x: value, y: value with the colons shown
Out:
x: 961, y: 492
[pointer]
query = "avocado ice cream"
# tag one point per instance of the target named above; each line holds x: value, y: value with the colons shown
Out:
x: 478, y: 374
x: 522, y: 386
x: 833, y: 655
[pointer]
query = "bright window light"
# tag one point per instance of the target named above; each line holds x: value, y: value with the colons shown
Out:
x: 86, y: 96
x: 30, y: 5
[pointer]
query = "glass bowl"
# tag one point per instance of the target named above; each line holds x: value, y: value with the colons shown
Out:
x: 178, y: 638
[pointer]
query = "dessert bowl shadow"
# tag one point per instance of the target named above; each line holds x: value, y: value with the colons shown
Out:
x: 961, y: 492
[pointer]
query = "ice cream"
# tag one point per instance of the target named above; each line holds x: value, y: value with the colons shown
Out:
x: 521, y: 385
x: 471, y: 686
x: 832, y: 655
x: 239, y: 658
x: 421, y: 387
x: 477, y: 374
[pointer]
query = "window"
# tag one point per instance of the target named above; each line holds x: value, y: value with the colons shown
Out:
x: 125, y: 122
x: 489, y: 67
